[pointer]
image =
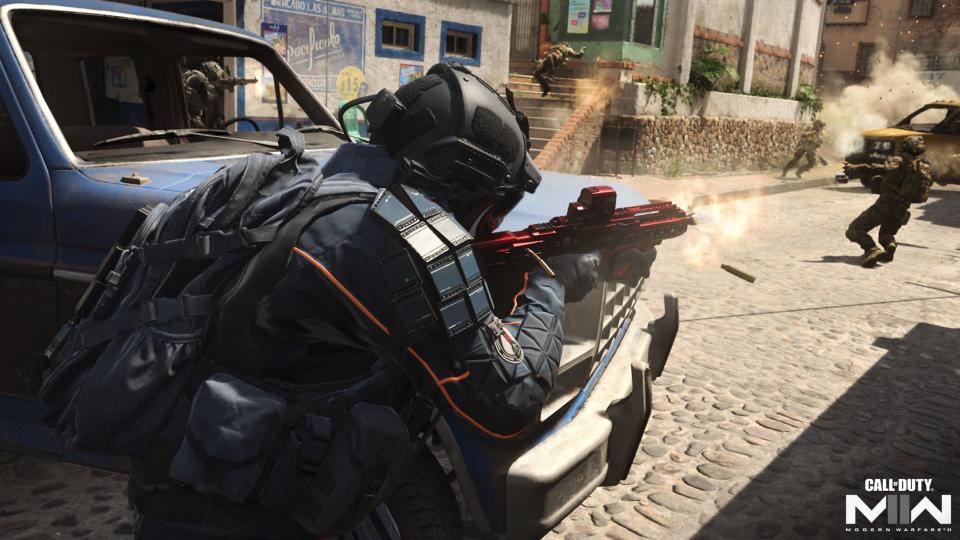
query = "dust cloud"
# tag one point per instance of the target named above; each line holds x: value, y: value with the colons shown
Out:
x: 894, y: 90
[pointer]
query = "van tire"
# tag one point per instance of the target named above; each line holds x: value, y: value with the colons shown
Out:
x: 423, y: 504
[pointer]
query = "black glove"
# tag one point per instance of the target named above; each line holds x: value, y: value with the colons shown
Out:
x: 631, y: 264
x: 577, y: 272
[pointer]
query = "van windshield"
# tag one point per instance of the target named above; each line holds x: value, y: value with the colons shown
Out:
x: 932, y: 118
x: 123, y: 90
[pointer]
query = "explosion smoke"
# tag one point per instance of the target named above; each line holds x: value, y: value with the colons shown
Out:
x: 894, y: 90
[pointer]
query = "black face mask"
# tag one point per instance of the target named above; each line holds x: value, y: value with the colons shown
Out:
x: 485, y: 217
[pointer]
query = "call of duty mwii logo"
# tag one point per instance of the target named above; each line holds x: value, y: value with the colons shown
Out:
x: 903, y: 509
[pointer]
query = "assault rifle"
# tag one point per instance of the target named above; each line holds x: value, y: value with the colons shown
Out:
x: 593, y: 222
x: 231, y: 82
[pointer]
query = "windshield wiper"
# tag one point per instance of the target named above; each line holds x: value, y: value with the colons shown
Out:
x: 322, y: 129
x: 177, y: 133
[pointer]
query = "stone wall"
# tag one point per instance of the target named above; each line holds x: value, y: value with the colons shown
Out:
x: 808, y: 74
x: 568, y: 149
x: 770, y: 67
x: 672, y: 145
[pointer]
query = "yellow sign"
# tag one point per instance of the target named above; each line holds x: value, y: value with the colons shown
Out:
x: 348, y: 82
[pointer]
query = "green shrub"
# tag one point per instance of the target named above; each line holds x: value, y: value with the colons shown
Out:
x: 763, y: 90
x: 809, y: 100
x: 670, y: 93
x: 709, y: 68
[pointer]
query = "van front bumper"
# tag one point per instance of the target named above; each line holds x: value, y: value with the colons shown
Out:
x: 596, y: 446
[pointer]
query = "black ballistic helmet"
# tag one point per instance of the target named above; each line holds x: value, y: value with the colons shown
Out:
x: 459, y: 142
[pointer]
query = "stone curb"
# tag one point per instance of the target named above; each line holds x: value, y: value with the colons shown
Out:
x: 715, y: 198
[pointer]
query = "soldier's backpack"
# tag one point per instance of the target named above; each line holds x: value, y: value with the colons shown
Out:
x: 916, y: 186
x: 179, y: 293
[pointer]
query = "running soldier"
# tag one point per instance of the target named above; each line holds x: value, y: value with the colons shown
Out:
x: 554, y: 58
x: 810, y: 141
x: 906, y: 179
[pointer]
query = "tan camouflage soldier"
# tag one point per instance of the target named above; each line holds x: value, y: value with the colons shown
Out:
x: 201, y: 91
x: 906, y: 179
x: 555, y: 57
x: 810, y: 141
x: 202, y: 87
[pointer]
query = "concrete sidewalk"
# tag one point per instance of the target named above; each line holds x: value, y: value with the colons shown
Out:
x: 702, y: 190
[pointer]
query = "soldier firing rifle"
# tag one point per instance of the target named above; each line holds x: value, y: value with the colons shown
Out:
x: 203, y: 86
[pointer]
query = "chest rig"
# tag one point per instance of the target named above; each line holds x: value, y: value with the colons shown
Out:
x: 435, y: 276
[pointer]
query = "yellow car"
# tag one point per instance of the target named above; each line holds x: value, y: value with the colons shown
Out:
x: 937, y: 122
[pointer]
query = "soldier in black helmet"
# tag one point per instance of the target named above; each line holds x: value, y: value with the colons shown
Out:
x: 379, y: 297
x: 906, y: 179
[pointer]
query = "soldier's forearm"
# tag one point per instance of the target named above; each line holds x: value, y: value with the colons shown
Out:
x: 863, y: 169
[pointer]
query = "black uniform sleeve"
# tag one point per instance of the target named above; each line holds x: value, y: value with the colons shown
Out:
x: 513, y: 363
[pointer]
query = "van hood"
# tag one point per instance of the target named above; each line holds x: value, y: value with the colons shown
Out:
x: 174, y: 176
x: 557, y: 190
x: 889, y: 133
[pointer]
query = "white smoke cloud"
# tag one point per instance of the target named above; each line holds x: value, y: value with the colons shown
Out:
x: 894, y: 90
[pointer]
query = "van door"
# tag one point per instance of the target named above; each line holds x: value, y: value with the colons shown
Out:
x: 28, y: 303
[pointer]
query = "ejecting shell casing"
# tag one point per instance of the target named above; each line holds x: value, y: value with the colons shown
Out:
x: 739, y: 273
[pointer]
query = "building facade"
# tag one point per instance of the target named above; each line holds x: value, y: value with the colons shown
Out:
x: 351, y: 48
x: 772, y: 44
x: 858, y: 32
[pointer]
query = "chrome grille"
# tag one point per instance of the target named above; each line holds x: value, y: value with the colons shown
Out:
x: 589, y: 328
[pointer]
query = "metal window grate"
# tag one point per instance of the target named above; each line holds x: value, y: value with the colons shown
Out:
x: 399, y: 35
x: 460, y: 44
x: 865, y: 57
x: 921, y: 8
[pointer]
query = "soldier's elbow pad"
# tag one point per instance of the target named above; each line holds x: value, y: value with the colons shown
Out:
x: 230, y: 432
x: 330, y: 477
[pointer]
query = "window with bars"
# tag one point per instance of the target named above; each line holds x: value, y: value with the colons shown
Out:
x: 921, y: 8
x: 460, y: 43
x: 400, y: 35
x: 934, y: 63
x: 865, y: 57
x: 842, y: 7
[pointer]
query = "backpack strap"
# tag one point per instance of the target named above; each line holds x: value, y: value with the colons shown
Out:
x: 156, y: 311
x: 231, y: 344
x: 254, y: 174
x: 210, y: 245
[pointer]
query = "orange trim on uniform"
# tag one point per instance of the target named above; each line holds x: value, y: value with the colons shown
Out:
x: 453, y: 405
x: 336, y: 283
x: 456, y: 378
x: 516, y: 297
x: 436, y: 380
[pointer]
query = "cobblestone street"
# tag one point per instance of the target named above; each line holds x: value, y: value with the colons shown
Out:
x: 779, y: 399
x: 782, y: 396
